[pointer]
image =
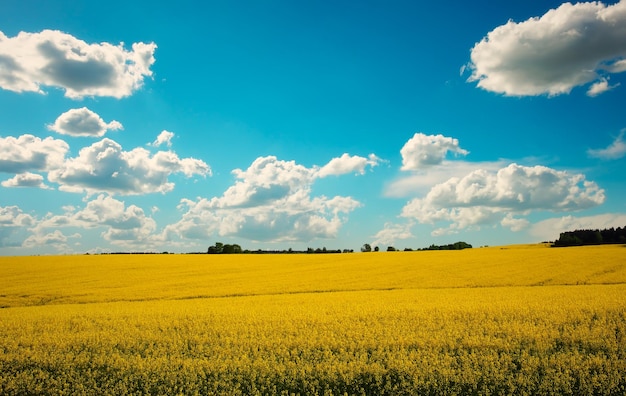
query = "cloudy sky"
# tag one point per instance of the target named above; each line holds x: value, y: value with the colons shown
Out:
x: 128, y: 126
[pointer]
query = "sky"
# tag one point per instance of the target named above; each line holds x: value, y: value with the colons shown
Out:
x: 170, y: 126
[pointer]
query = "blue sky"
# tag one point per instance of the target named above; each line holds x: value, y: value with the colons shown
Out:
x: 154, y: 126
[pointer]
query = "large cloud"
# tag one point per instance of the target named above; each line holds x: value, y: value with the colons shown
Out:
x: 29, y: 61
x: 12, y: 219
x: 423, y: 150
x: 82, y: 122
x: 105, y: 167
x: 272, y: 201
x: 123, y: 225
x: 572, y: 45
x: 55, y: 238
x: 28, y: 152
x: 13, y: 216
x: 484, y: 197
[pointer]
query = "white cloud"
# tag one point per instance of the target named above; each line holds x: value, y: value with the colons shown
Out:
x: 615, y: 150
x: 123, y: 225
x: 13, y: 216
x: 422, y: 151
x: 550, y: 229
x: 53, y: 238
x: 105, y: 167
x: 391, y: 233
x: 348, y: 164
x: 600, y: 87
x: 82, y: 122
x: 25, y: 180
x: 270, y: 201
x: 165, y: 137
x: 420, y: 182
x: 12, y: 220
x: 515, y: 224
x: 567, y: 47
x: 27, y: 152
x: 30, y: 61
x: 484, y: 197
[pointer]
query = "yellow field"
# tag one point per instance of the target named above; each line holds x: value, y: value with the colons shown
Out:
x: 501, y: 320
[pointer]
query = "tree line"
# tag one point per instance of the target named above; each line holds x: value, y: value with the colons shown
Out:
x: 451, y: 246
x: 221, y: 248
x: 591, y: 237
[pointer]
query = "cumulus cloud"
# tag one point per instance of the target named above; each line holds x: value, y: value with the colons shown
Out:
x: 26, y: 180
x: 422, y: 151
x: 12, y: 220
x: 83, y: 122
x: 391, y: 233
x: 123, y: 225
x: 615, y: 150
x: 13, y: 216
x: 550, y: 229
x: 272, y: 200
x: 165, y: 137
x: 572, y: 45
x: 28, y: 152
x: 514, y: 223
x: 30, y: 61
x: 53, y: 238
x: 106, y: 167
x: 483, y: 197
x: 348, y: 164
x: 420, y: 182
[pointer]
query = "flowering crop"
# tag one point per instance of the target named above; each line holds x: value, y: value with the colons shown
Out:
x: 379, y: 323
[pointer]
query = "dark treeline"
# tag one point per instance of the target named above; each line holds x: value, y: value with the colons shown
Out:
x: 220, y: 248
x: 307, y: 251
x: 591, y: 237
x: 452, y: 246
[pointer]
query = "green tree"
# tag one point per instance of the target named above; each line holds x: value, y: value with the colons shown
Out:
x: 366, y: 248
x: 231, y: 249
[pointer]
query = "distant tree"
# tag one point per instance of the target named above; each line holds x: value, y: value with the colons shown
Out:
x: 366, y: 248
x: 461, y: 245
x: 215, y: 249
x: 450, y: 246
x: 220, y: 248
x: 376, y: 249
x: 391, y: 249
x: 231, y: 249
x: 591, y: 237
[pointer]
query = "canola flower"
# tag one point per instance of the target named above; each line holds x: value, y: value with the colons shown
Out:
x: 357, y: 324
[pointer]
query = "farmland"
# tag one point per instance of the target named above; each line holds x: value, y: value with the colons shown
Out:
x: 500, y: 320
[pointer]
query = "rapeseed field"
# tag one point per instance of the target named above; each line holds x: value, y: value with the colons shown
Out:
x: 503, y: 320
